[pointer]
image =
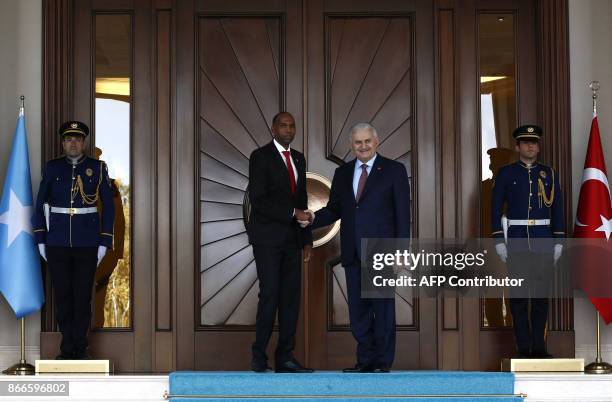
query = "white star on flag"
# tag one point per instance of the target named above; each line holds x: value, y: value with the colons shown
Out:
x: 17, y: 218
x: 606, y: 226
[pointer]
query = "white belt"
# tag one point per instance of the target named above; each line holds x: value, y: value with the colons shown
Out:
x: 528, y: 222
x: 74, y: 211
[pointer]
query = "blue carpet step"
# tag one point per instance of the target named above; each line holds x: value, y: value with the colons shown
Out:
x: 328, y: 385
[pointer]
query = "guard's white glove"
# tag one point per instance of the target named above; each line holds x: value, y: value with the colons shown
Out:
x: 557, y: 252
x: 101, y: 253
x: 42, y: 250
x: 502, y: 251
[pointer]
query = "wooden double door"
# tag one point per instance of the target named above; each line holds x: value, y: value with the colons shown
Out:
x: 206, y: 78
x: 331, y: 68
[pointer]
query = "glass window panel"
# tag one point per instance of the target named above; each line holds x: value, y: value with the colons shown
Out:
x: 498, y: 118
x: 113, y: 76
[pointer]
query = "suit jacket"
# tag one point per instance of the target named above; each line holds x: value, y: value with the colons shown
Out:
x: 271, y: 219
x: 383, y: 210
x: 525, y: 189
x: 56, y: 189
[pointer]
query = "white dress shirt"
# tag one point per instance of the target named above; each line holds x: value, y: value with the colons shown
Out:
x: 280, y: 149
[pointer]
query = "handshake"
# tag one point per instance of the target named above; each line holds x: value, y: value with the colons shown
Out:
x: 304, y: 218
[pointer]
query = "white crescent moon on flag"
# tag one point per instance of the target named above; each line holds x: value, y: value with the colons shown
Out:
x: 595, y: 174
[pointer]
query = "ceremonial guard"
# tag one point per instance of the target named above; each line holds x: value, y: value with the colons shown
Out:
x: 528, y: 237
x: 73, y: 226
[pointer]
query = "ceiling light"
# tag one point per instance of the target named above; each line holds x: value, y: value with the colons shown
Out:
x: 484, y: 79
x: 113, y: 86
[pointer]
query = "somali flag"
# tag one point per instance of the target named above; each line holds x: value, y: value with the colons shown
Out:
x: 20, y: 274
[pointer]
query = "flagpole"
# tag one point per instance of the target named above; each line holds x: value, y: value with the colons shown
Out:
x: 21, y: 368
x: 598, y: 366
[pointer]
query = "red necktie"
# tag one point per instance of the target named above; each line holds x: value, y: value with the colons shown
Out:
x: 290, y: 171
x: 362, y: 181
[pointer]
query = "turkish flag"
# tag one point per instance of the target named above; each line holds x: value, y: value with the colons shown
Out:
x: 594, y: 215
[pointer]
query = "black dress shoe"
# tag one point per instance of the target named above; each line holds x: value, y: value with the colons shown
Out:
x: 62, y: 356
x: 541, y: 354
x: 84, y: 355
x: 523, y: 354
x: 292, y: 366
x: 359, y: 368
x: 380, y: 369
x: 260, y: 366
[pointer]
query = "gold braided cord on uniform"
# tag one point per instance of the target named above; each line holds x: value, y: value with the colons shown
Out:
x: 88, y: 199
x: 542, y: 193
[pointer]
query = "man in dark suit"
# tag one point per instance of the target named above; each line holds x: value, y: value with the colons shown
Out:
x: 277, y: 192
x: 371, y: 196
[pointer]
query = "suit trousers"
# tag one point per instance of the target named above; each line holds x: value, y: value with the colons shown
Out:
x: 72, y: 276
x: 537, y: 269
x: 372, y: 322
x: 279, y: 269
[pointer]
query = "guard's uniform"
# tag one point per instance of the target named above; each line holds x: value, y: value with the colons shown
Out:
x: 534, y: 211
x: 80, y: 219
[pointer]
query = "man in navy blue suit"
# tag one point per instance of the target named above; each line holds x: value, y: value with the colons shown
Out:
x: 534, y: 229
x: 371, y: 196
x: 78, y: 232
